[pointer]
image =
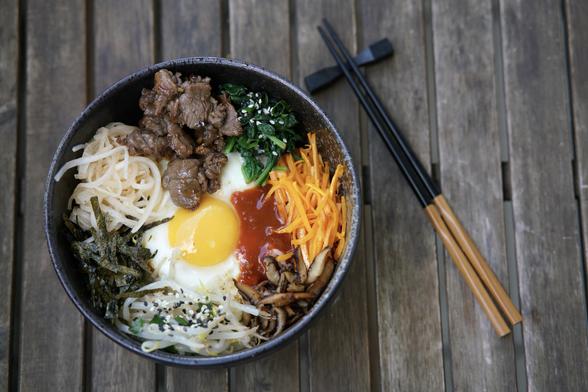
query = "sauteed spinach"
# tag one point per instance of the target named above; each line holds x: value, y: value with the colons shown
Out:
x: 268, y: 125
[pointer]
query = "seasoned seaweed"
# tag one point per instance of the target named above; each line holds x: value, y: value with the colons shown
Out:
x: 114, y: 263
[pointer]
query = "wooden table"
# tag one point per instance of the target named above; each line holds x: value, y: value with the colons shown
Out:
x: 492, y: 94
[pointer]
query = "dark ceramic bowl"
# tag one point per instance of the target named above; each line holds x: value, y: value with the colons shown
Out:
x: 120, y: 103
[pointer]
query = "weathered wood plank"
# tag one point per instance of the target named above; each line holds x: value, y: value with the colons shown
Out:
x: 192, y: 28
x: 51, y: 342
x: 406, y: 269
x: 260, y: 33
x: 469, y: 154
x: 577, y: 41
x: 546, y: 221
x: 123, y: 43
x: 8, y: 161
x: 123, y: 40
x: 338, y: 346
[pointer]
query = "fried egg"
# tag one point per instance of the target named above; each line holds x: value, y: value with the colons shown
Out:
x: 197, y: 249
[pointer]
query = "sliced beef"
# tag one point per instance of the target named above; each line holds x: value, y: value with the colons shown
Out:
x: 195, y: 102
x: 154, y: 124
x: 208, y: 140
x: 231, y: 125
x: 217, y: 116
x: 179, y: 140
x: 182, y: 120
x: 146, y: 143
x: 213, y: 165
x: 166, y: 89
x: 185, y: 183
x: 147, y: 102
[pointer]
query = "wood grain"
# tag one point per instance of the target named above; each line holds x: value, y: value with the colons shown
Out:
x: 338, y: 345
x: 250, y: 33
x: 123, y: 40
x: 51, y: 346
x: 8, y: 163
x: 192, y: 28
x: 407, y: 289
x: 545, y: 214
x: 578, y: 65
x: 469, y: 154
x: 122, y: 43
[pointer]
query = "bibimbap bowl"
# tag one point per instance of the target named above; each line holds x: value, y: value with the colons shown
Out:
x: 119, y: 103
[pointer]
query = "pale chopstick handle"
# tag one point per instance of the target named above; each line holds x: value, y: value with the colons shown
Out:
x: 467, y: 272
x: 478, y: 261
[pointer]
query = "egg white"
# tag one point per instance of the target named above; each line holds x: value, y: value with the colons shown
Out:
x: 167, y: 262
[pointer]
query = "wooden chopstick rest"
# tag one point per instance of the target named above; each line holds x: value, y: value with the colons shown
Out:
x: 478, y: 261
x: 467, y: 272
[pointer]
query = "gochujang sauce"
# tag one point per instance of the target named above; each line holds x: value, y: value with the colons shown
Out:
x: 259, y: 221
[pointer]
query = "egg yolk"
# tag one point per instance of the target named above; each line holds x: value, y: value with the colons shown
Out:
x: 207, y: 235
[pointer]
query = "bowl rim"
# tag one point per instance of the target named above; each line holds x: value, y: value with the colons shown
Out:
x: 196, y: 361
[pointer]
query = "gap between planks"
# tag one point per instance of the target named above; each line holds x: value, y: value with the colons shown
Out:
x: 435, y: 171
x: 19, y: 199
x: 511, y: 258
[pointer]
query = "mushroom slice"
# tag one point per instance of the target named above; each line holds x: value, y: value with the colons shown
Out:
x: 271, y: 269
x: 282, y: 299
x: 294, y: 287
x: 282, y: 317
x: 248, y: 292
x: 265, y: 323
x: 317, y: 287
x: 301, y: 270
x: 271, y: 326
x: 289, y: 310
x: 318, y: 265
x: 290, y: 276
x: 282, y: 283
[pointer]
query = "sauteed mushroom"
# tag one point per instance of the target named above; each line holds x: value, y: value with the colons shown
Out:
x: 288, y: 292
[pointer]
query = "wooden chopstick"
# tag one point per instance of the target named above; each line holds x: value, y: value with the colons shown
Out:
x: 478, y: 261
x: 467, y: 272
x: 461, y: 235
x: 428, y: 195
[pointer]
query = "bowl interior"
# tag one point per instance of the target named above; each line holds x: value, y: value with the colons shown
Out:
x: 120, y: 103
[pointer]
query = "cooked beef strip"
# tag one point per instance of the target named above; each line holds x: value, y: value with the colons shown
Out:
x: 185, y: 185
x: 147, y: 102
x: 208, y: 140
x: 179, y: 140
x: 141, y: 142
x: 155, y: 124
x: 165, y: 88
x: 181, y: 119
x: 195, y: 102
x: 231, y: 125
x: 217, y: 115
x: 213, y: 164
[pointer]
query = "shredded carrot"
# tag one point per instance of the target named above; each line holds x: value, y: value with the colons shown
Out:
x: 307, y: 199
x: 284, y: 257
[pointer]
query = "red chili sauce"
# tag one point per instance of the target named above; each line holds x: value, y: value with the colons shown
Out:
x: 259, y: 218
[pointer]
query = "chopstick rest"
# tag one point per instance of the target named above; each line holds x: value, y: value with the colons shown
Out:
x: 324, y: 77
